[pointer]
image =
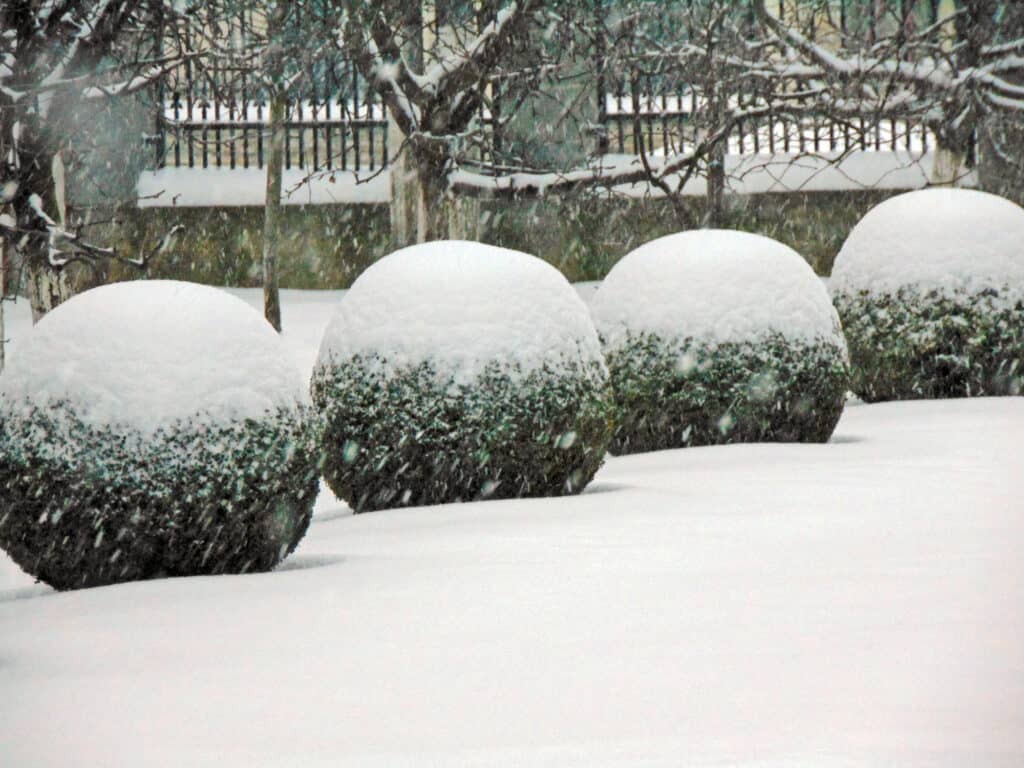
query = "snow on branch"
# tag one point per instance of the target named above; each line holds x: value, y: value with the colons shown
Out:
x: 65, y: 247
x: 935, y: 77
x: 453, y: 73
x: 136, y: 83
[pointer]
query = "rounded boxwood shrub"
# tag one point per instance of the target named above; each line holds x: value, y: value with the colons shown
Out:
x: 153, y: 429
x: 716, y: 336
x: 454, y: 371
x: 930, y: 289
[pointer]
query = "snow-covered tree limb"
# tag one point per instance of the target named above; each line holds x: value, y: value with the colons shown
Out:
x: 63, y: 64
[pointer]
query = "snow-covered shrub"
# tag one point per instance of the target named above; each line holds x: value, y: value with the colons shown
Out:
x: 930, y: 289
x: 455, y: 371
x: 153, y: 429
x: 716, y: 336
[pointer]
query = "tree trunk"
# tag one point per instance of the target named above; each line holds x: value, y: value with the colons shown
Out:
x: 433, y: 210
x: 441, y: 216
x: 947, y: 167
x: 405, y: 195
x: 272, y: 209
x: 3, y: 295
x: 714, y: 217
x: 406, y: 198
x: 464, y: 218
x: 40, y: 179
x: 434, y: 200
x: 47, y: 287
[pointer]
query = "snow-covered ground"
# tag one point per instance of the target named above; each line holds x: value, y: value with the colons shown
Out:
x: 859, y: 603
x: 204, y: 187
x: 747, y: 174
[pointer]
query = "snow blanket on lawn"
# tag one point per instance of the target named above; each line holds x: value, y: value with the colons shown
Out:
x: 859, y: 603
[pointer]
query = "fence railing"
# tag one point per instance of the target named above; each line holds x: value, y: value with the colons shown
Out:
x: 198, y: 129
x: 320, y: 134
x: 217, y: 116
x: 335, y: 135
x: 665, y: 123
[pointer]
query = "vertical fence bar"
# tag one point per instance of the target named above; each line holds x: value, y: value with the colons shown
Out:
x: 300, y: 107
x: 344, y: 123
x: 314, y: 106
x: 287, y: 136
x: 355, y: 116
x: 177, y: 129
x: 371, y: 126
x: 330, y: 130
x: 618, y: 114
x: 189, y: 104
x: 259, y: 133
x: 244, y: 32
x: 385, y: 158
x: 206, y: 133
x: 216, y: 119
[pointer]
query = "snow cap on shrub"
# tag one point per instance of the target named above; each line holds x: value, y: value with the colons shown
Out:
x: 716, y: 285
x: 455, y: 370
x: 930, y: 288
x: 719, y: 336
x: 153, y: 428
x: 145, y: 354
x: 942, y: 239
x: 462, y: 306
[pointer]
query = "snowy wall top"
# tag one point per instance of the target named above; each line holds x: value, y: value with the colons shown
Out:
x: 145, y: 354
x: 714, y: 285
x: 462, y: 305
x: 946, y: 239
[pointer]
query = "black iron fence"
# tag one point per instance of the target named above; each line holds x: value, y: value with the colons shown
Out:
x: 338, y: 124
x: 633, y: 120
x: 335, y: 133
x: 332, y: 133
x: 338, y: 121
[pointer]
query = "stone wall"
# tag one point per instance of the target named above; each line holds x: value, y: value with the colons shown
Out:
x: 327, y: 246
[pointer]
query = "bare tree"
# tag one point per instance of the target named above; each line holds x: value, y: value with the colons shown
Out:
x: 679, y: 81
x: 951, y: 74
x: 270, y: 50
x: 61, y: 65
x: 436, y: 102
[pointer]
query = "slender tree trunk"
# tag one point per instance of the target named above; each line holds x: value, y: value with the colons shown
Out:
x: 947, y: 167
x: 406, y: 197
x: 715, y: 216
x: 272, y: 209
x: 3, y: 295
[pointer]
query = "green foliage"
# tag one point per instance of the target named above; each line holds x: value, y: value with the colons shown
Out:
x: 413, y: 437
x: 690, y: 392
x: 929, y: 345
x: 84, y: 507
